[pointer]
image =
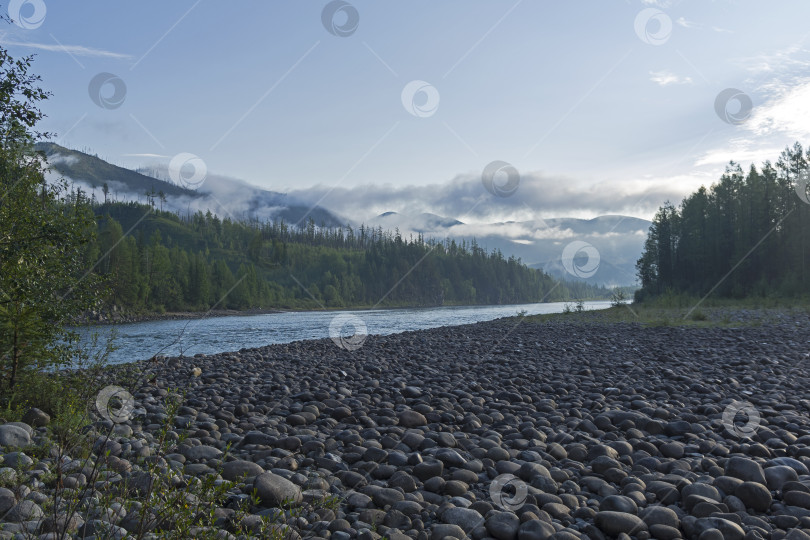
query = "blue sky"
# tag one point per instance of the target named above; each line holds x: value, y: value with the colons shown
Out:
x: 597, y: 115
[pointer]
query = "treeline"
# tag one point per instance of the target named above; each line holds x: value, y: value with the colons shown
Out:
x: 747, y: 235
x: 156, y: 261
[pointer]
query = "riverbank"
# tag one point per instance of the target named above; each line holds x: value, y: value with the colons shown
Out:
x: 113, y: 317
x: 575, y: 426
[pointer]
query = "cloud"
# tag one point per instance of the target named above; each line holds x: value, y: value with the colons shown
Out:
x: 741, y: 150
x: 75, y: 50
x: 464, y: 198
x: 666, y: 78
x: 785, y: 114
x: 686, y: 23
x: 780, y: 90
x: 781, y: 62
x: 156, y: 156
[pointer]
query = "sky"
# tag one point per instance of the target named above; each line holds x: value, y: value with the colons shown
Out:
x: 592, y: 107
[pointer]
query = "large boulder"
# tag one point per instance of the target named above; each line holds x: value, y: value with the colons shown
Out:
x: 36, y: 418
x: 233, y: 470
x: 12, y: 436
x: 274, y: 490
x: 745, y: 469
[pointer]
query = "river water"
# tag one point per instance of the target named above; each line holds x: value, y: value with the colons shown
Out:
x: 142, y: 340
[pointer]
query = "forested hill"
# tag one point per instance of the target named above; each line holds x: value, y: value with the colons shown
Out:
x: 748, y: 235
x: 155, y: 261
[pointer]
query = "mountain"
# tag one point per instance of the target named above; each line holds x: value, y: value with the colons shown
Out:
x: 617, y: 242
x: 225, y: 196
x: 421, y: 223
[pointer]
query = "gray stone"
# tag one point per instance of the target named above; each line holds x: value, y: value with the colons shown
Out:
x: 745, y: 469
x: 24, y: 511
x: 13, y: 436
x: 234, y: 470
x: 754, y: 496
x: 36, y: 418
x: 463, y: 517
x: 536, y: 530
x: 502, y: 525
x: 797, y: 498
x: 17, y: 460
x: 202, y: 452
x: 660, y: 515
x: 409, y: 418
x: 729, y: 529
x: 7, y: 501
x: 777, y: 476
x: 615, y: 523
x: 274, y: 490
x: 619, y: 503
x: 446, y: 530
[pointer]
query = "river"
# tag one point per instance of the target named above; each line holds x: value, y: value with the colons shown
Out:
x: 142, y: 340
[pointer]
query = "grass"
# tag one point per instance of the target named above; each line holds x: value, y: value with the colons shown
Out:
x: 680, y: 312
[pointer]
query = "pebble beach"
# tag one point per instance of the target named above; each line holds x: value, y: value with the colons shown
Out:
x: 509, y: 429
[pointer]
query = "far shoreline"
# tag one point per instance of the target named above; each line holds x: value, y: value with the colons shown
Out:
x: 131, y: 318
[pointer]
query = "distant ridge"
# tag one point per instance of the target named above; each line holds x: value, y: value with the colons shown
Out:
x: 221, y: 195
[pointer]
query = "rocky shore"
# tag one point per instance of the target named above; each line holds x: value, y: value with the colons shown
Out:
x: 506, y: 430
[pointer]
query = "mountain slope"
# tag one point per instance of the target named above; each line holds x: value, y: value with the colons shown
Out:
x: 618, y: 241
x: 222, y: 195
x: 95, y: 172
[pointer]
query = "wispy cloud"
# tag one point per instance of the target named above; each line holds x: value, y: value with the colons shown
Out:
x: 76, y: 50
x: 686, y: 23
x: 667, y: 78
x: 465, y: 198
x: 779, y: 85
x: 156, y: 156
x: 780, y: 62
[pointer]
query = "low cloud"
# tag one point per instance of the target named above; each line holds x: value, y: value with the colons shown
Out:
x: 464, y: 198
x: 686, y: 23
x: 667, y: 78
